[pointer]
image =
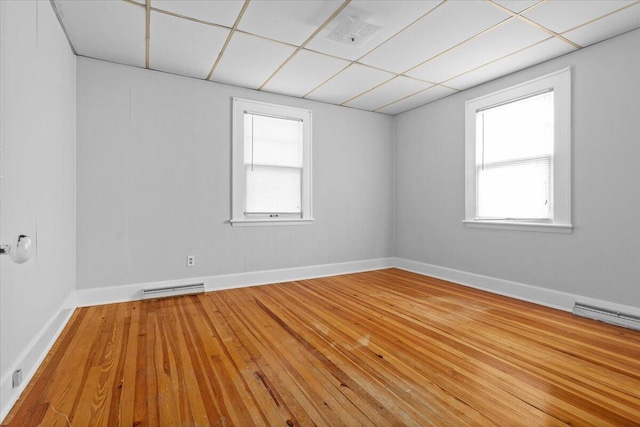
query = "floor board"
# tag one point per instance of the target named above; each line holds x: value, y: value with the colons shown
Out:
x: 378, y: 348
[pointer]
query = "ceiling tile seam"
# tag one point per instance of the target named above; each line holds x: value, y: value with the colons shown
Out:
x: 389, y: 80
x: 448, y: 87
x: 280, y: 68
x: 559, y: 35
x: 369, y: 90
x: 377, y: 110
x: 506, y: 9
x: 356, y: 61
x: 373, y: 49
x: 178, y: 15
x: 328, y: 55
x: 548, y: 31
x: 373, y: 67
x: 606, y: 15
x: 269, y: 39
x: 486, y: 30
x: 147, y: 33
x: 402, y: 30
x: 315, y: 33
x: 368, y: 66
x: 418, y: 79
x: 532, y: 22
x: 442, y: 83
x: 135, y: 3
x: 324, y: 82
x: 404, y: 97
x: 188, y: 18
x: 64, y: 29
x: 229, y: 36
x: 533, y: 6
x: 503, y: 8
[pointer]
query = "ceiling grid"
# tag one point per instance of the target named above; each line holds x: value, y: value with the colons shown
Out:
x: 226, y: 42
x: 422, y: 50
x: 340, y: 9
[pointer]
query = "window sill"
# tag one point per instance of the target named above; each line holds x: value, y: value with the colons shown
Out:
x: 520, y: 226
x: 270, y: 222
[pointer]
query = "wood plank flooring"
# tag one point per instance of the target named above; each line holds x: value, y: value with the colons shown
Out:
x: 383, y: 348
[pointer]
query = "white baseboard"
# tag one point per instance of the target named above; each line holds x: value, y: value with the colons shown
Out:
x: 535, y: 294
x: 32, y: 356
x: 113, y: 294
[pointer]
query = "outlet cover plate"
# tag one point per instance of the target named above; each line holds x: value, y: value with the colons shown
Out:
x: 16, y: 378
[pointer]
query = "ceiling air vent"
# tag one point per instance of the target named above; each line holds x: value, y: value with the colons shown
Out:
x: 353, y: 32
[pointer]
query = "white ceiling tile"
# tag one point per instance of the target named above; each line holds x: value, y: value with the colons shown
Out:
x: 432, y: 94
x: 304, y: 72
x: 444, y: 27
x: 112, y: 31
x: 391, y: 16
x: 349, y: 83
x: 249, y: 61
x: 218, y: 12
x: 536, y: 54
x: 389, y: 92
x: 502, y: 40
x: 287, y: 21
x: 516, y: 6
x: 605, y: 28
x: 436, y: 37
x: 562, y: 15
x: 183, y: 47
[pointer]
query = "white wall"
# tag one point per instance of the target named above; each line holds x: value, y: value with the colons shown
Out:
x: 601, y: 259
x: 37, y: 139
x: 154, y: 182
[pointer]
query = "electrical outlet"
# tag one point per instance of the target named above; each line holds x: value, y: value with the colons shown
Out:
x: 16, y: 378
x: 191, y: 260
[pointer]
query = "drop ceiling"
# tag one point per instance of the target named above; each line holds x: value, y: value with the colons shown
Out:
x: 422, y: 51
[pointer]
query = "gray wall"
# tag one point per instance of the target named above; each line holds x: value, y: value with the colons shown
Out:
x: 37, y: 121
x: 153, y: 175
x: 601, y: 259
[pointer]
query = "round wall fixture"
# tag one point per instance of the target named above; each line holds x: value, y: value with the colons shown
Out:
x: 19, y: 250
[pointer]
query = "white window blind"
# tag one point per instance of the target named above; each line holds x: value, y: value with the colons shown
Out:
x: 271, y: 157
x: 514, y: 159
x: 273, y: 163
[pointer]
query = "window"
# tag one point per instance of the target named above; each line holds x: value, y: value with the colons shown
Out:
x: 271, y: 177
x: 518, y: 157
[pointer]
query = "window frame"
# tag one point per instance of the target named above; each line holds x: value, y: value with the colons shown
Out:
x: 560, y: 83
x: 238, y: 178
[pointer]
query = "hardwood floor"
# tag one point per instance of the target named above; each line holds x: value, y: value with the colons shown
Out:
x: 378, y: 348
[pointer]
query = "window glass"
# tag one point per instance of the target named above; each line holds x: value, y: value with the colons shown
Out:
x: 271, y: 164
x: 514, y: 152
x: 518, y: 156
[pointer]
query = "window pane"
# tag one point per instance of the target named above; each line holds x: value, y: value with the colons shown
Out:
x: 272, y: 141
x: 271, y: 164
x: 273, y: 189
x: 516, y: 130
x: 514, y: 159
x: 515, y: 190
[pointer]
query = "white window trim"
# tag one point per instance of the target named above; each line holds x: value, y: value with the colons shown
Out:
x: 240, y: 106
x: 560, y: 82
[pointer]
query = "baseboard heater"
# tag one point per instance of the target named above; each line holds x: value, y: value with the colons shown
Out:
x: 173, y: 291
x: 608, y: 316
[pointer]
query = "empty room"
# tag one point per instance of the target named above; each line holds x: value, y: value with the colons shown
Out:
x: 319, y: 213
